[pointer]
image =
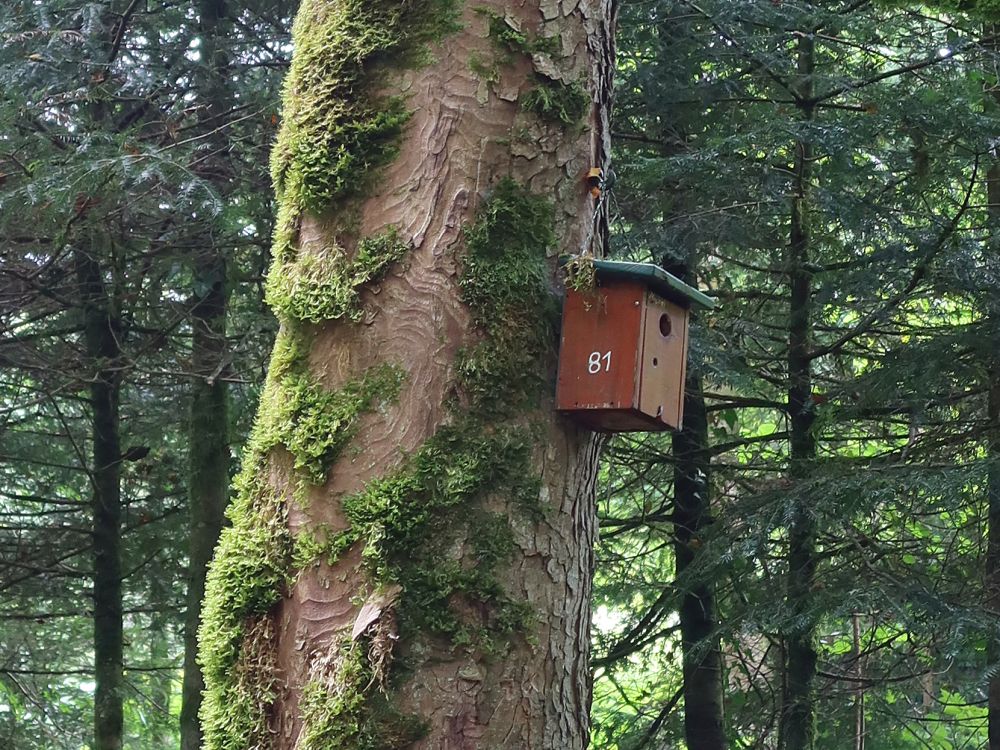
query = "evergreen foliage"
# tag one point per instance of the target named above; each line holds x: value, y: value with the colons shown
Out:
x: 107, y: 157
x: 710, y: 120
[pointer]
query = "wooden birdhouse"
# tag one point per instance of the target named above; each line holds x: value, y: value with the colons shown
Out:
x: 623, y: 355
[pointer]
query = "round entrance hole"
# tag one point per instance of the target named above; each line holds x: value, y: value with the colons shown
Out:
x: 655, y: 361
x: 665, y: 325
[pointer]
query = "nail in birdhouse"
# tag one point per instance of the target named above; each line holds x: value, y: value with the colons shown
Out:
x: 623, y: 355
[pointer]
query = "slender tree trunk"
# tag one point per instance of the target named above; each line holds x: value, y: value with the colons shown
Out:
x: 411, y: 552
x: 208, y: 445
x: 993, y: 449
x: 160, y: 729
x: 993, y: 532
x: 704, y: 727
x: 102, y: 332
x: 797, y: 728
x: 208, y: 425
x: 859, y: 690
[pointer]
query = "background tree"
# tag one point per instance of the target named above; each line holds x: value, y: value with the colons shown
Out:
x: 108, y: 189
x: 894, y: 205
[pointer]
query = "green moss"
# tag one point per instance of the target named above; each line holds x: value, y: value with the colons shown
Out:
x: 486, y: 71
x: 315, y: 424
x: 509, y: 38
x: 338, y: 131
x: 256, y: 557
x: 342, y: 708
x: 580, y: 274
x: 425, y: 526
x: 245, y: 580
x: 557, y: 102
x: 327, y: 286
x: 505, y: 284
x: 310, y: 545
x: 411, y: 520
x: 337, y: 128
x: 312, y: 423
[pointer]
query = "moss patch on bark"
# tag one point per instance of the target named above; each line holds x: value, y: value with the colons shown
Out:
x: 557, y: 102
x: 327, y: 286
x: 438, y: 525
x: 513, y: 40
x: 416, y: 525
x: 505, y: 283
x: 341, y: 710
x: 253, y: 564
x: 426, y: 526
x: 338, y: 128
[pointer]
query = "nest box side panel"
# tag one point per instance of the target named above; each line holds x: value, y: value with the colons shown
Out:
x: 664, y: 360
x: 599, y: 351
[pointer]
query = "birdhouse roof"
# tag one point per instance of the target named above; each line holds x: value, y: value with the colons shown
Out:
x: 663, y: 283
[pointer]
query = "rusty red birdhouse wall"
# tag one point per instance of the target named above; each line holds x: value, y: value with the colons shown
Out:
x: 623, y: 354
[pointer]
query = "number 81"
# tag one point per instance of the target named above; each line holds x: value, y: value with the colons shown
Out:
x: 595, y: 360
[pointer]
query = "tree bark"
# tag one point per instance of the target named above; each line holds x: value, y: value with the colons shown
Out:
x: 102, y: 336
x: 429, y: 537
x: 208, y: 422
x: 704, y: 727
x: 797, y: 726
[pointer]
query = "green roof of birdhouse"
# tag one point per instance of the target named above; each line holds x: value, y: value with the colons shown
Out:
x: 663, y: 283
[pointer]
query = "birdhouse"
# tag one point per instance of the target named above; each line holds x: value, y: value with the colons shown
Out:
x: 623, y: 355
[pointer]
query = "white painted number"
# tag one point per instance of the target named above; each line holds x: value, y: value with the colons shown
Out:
x: 594, y: 363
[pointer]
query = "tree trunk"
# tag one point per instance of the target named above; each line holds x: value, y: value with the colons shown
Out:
x: 102, y: 335
x: 993, y: 451
x: 159, y: 729
x: 797, y: 727
x: 704, y: 727
x: 411, y: 552
x: 993, y: 537
x: 208, y: 426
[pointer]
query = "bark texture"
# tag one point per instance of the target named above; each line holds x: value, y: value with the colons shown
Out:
x: 429, y: 574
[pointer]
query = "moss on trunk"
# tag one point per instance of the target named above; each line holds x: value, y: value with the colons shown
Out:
x: 462, y: 487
